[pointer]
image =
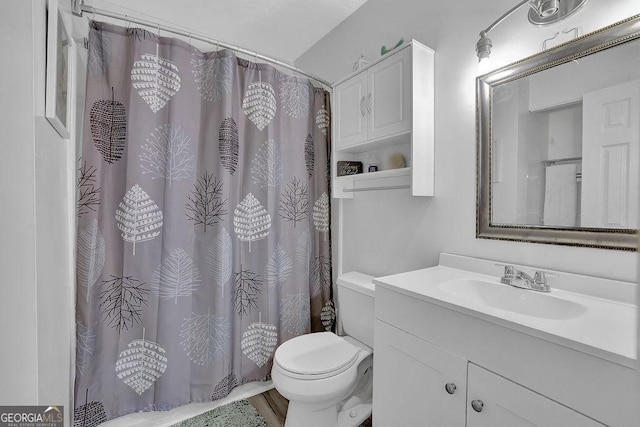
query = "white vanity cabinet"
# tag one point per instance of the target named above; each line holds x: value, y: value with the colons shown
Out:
x: 383, y: 109
x: 420, y: 347
x: 415, y: 382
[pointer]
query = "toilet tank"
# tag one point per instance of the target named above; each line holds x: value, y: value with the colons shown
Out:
x: 356, y: 293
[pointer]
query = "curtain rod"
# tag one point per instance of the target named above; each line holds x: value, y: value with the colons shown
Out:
x: 201, y: 37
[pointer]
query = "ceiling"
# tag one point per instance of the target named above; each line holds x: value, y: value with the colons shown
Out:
x: 282, y: 29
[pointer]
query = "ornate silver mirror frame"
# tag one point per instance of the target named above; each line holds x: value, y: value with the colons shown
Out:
x: 607, y: 238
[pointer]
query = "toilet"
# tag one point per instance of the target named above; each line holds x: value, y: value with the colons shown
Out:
x: 328, y: 379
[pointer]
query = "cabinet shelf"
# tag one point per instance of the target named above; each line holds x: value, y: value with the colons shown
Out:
x: 374, y: 175
x: 370, y: 181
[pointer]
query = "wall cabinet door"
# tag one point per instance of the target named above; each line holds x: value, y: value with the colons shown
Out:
x: 494, y: 401
x: 416, y: 383
x: 388, y: 100
x: 351, y: 111
x: 375, y: 103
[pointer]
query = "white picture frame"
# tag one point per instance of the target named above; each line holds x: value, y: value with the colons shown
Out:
x: 58, y: 99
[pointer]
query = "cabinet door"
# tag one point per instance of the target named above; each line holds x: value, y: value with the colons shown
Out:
x: 507, y: 404
x: 388, y: 100
x: 350, y: 111
x: 410, y: 379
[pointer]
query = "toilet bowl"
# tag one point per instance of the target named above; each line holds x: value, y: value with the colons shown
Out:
x: 316, y: 372
x: 328, y: 378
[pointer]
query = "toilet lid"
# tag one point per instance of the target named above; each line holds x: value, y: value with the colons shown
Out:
x: 316, y: 354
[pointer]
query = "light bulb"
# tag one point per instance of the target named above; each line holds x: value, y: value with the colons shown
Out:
x: 549, y: 8
x: 484, y: 65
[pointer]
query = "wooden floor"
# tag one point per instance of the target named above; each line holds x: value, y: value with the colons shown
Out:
x: 273, y: 408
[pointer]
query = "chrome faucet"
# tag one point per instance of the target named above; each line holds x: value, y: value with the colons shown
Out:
x: 519, y: 279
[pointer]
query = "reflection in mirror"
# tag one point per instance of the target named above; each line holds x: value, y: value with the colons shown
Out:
x: 559, y: 143
x: 566, y: 144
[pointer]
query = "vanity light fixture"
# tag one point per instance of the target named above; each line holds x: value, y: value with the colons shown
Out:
x: 541, y: 12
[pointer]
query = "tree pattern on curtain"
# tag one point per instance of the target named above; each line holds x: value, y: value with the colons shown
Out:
x: 203, y: 222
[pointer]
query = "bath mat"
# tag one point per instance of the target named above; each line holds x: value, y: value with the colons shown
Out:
x: 235, y: 414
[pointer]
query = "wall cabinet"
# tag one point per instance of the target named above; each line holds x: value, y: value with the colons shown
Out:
x: 375, y: 103
x: 383, y: 109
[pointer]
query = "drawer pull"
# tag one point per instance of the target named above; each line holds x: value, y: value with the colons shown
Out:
x: 450, y: 387
x: 477, y: 405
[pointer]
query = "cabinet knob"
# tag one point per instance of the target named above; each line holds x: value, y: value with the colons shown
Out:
x: 362, y: 106
x: 450, y: 387
x: 477, y: 405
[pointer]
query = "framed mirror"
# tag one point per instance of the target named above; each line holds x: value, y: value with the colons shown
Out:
x: 559, y: 144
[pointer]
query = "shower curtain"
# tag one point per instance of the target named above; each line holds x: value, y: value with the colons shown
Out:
x: 203, y: 222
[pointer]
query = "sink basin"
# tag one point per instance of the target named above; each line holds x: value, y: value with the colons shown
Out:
x: 509, y: 298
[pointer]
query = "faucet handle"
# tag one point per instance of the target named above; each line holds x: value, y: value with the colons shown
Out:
x: 541, y: 276
x: 509, y: 273
x: 509, y: 270
x: 540, y: 281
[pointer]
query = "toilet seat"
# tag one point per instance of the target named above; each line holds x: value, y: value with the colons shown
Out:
x: 316, y: 356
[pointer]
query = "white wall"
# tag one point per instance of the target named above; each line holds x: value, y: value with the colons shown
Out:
x: 567, y: 83
x: 36, y: 249
x: 18, y: 314
x: 391, y: 232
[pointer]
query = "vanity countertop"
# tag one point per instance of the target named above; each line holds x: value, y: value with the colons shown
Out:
x: 605, y: 328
